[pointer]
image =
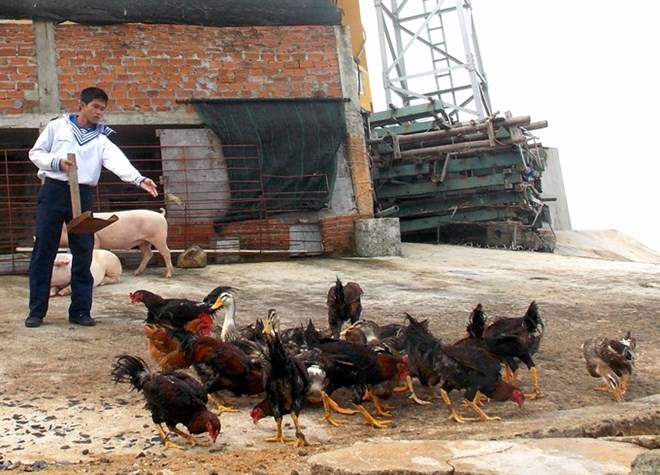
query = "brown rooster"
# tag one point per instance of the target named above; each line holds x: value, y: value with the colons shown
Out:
x: 172, y: 398
x: 456, y: 367
x: 164, y: 342
x: 517, y: 338
x: 612, y: 360
x: 344, y: 304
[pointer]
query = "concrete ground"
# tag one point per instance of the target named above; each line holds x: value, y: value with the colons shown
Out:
x: 60, y: 411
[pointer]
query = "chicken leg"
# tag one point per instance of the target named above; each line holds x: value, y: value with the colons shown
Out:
x: 413, y: 396
x: 535, y: 384
x: 328, y: 404
x: 193, y: 440
x: 165, y: 437
x: 370, y: 419
x: 612, y: 385
x: 454, y: 415
x: 624, y: 383
x: 475, y: 406
x: 382, y: 410
x: 279, y: 437
x: 221, y: 404
x: 301, y: 441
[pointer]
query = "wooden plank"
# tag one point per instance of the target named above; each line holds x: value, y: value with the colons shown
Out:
x: 503, y: 180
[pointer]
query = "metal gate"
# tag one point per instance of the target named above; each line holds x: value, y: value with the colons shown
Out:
x: 210, y: 194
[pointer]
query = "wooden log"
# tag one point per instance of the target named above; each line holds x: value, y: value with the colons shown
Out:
x: 458, y: 147
x: 458, y: 130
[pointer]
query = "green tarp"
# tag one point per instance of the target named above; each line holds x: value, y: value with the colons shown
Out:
x: 297, y: 143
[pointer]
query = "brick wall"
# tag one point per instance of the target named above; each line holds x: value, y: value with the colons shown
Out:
x: 338, y: 234
x: 259, y: 234
x: 148, y: 67
x: 18, y: 69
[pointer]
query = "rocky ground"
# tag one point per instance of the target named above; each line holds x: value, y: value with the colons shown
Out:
x: 61, y: 412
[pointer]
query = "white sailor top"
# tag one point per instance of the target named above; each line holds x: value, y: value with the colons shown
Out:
x: 92, y: 147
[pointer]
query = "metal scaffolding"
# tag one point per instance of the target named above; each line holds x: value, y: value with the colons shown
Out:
x: 429, y: 52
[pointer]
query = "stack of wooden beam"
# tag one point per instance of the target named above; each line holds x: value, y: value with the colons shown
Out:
x: 437, y: 177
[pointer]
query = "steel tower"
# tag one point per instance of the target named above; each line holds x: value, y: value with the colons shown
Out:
x: 429, y: 52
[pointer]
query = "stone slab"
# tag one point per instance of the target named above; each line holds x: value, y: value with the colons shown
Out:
x: 554, y: 456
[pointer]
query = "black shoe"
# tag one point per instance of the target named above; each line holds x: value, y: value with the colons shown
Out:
x: 84, y: 320
x: 33, y: 322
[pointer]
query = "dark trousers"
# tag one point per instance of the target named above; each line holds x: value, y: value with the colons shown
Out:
x: 53, y: 210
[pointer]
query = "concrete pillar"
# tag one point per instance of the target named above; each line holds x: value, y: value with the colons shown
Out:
x: 553, y: 187
x: 49, y: 98
x: 358, y: 158
x: 377, y: 237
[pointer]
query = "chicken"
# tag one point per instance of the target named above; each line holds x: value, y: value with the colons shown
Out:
x: 456, y: 367
x: 344, y: 304
x: 473, y: 338
x: 512, y: 339
x: 372, y: 331
x: 286, y: 384
x: 164, y: 341
x: 175, y: 311
x: 612, y: 361
x: 357, y: 367
x: 172, y: 398
x: 292, y: 338
x: 223, y: 366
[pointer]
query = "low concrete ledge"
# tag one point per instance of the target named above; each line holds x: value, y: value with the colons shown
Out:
x: 555, y: 456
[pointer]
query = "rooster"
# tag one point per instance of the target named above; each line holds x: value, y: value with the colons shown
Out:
x: 517, y: 338
x: 358, y: 367
x: 611, y: 360
x: 473, y: 338
x: 344, y: 304
x: 286, y: 383
x: 176, y: 312
x: 172, y: 398
x: 456, y: 367
x: 223, y: 366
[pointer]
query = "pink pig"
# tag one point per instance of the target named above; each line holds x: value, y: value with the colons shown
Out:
x: 135, y: 228
x: 106, y: 269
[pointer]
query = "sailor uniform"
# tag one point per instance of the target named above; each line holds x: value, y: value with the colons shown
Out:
x: 93, y: 151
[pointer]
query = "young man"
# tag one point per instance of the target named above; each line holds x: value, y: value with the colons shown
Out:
x: 84, y: 135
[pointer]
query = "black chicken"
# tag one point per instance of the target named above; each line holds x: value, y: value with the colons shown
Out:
x: 344, y: 304
x: 456, y: 367
x: 176, y: 311
x: 172, y: 398
x: 612, y: 360
x: 286, y: 384
x: 517, y: 338
x: 357, y: 367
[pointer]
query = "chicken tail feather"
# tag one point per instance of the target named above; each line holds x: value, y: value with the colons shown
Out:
x: 131, y: 369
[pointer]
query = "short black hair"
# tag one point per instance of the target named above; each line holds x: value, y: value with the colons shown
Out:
x: 88, y: 94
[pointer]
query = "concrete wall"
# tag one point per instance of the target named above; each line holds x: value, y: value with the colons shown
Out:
x: 553, y: 187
